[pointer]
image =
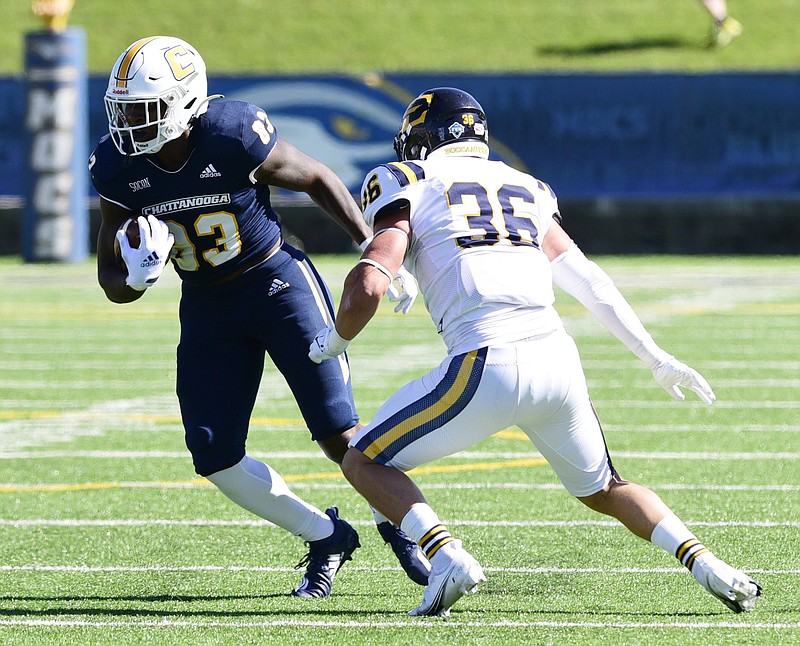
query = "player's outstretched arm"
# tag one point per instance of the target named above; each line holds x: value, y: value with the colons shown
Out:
x: 290, y: 168
x: 365, y: 286
x: 585, y: 281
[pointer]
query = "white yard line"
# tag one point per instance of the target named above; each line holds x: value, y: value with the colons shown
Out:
x: 204, y: 522
x: 85, y: 569
x: 525, y: 486
x: 318, y: 455
x: 423, y: 624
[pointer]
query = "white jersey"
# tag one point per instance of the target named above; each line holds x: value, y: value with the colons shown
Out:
x: 477, y: 228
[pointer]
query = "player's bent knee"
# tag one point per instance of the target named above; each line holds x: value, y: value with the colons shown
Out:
x: 353, y: 464
x: 597, y: 501
x: 604, y: 500
x: 335, y: 447
x: 209, y: 455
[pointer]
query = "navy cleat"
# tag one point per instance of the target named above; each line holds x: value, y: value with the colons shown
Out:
x: 325, y: 557
x: 411, y: 557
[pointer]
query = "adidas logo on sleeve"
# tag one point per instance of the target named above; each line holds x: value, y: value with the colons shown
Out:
x: 277, y: 286
x: 209, y: 171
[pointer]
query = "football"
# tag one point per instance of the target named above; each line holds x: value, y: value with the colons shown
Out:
x: 131, y: 229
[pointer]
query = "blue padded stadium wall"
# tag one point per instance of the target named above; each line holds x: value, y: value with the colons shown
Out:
x: 642, y: 163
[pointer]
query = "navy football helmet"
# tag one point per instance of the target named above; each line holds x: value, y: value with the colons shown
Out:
x: 437, y: 117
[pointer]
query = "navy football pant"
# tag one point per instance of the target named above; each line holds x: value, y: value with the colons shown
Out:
x: 275, y: 308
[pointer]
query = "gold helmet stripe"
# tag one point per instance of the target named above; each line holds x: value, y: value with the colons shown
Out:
x: 125, y: 65
x: 420, y: 118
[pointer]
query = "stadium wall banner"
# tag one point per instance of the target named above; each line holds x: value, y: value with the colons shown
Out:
x: 590, y: 136
x: 54, y: 147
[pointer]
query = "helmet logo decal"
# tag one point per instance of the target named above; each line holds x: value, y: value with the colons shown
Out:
x: 179, y: 70
x: 417, y: 111
x: 123, y: 74
x: 456, y: 129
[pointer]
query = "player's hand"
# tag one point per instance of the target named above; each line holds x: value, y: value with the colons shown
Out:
x: 403, y: 290
x: 146, y: 262
x: 327, y: 345
x: 672, y: 375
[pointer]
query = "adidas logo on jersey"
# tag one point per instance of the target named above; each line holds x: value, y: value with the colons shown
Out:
x: 210, y: 171
x: 277, y: 286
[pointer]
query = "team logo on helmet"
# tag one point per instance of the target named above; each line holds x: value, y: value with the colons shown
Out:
x: 416, y: 112
x: 456, y: 129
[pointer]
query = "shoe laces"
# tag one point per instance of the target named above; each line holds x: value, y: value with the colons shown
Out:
x: 314, y: 557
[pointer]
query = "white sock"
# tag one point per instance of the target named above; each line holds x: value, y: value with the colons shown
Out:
x: 672, y: 536
x: 423, y: 526
x: 378, y: 516
x: 261, y: 490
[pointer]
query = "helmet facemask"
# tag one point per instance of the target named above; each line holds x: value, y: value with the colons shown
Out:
x: 143, y: 125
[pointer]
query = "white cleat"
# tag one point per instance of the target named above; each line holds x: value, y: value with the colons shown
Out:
x: 461, y: 576
x: 733, y: 587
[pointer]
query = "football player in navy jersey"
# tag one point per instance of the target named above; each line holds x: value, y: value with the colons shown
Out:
x: 194, y: 176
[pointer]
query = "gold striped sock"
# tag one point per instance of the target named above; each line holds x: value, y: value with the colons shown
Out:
x: 436, y: 537
x: 688, y: 551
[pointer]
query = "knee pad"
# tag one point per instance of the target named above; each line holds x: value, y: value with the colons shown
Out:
x: 209, y: 455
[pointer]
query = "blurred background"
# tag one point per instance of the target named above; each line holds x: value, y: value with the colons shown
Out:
x: 659, y: 131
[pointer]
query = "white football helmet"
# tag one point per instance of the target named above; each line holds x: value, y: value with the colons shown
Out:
x: 156, y: 88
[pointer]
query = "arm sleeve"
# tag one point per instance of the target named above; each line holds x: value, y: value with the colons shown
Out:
x: 585, y: 281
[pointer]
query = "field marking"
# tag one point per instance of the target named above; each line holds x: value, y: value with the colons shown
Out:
x: 462, y: 455
x: 85, y: 569
x: 426, y: 624
x: 113, y: 415
x: 20, y: 523
x: 281, y: 424
x: 510, y: 461
x: 525, y: 461
x: 298, y: 484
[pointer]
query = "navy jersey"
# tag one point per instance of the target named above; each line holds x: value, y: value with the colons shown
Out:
x: 222, y: 221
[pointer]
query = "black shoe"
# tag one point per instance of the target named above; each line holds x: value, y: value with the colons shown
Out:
x: 411, y: 558
x: 325, y: 557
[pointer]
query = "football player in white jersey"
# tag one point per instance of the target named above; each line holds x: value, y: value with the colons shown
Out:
x: 485, y: 245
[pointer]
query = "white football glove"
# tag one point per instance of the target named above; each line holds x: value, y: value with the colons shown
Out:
x: 327, y: 345
x: 403, y: 290
x: 671, y: 373
x: 146, y: 263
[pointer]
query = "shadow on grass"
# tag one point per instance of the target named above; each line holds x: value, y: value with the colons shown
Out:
x: 72, y: 606
x: 304, y: 609
x: 620, y: 46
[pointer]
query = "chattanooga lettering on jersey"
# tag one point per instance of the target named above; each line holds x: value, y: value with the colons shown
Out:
x: 187, y: 203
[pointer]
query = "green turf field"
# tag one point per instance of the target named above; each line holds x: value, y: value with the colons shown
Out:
x: 107, y: 536
x: 289, y: 36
